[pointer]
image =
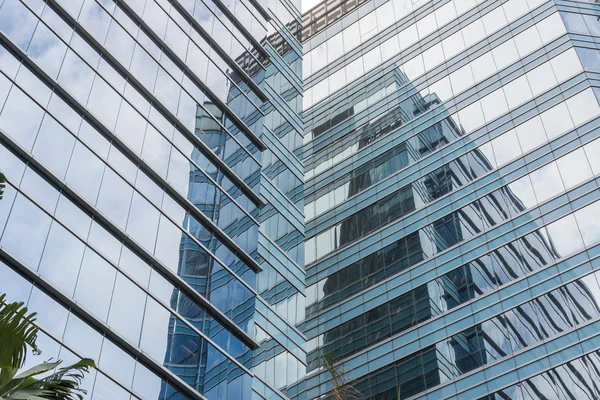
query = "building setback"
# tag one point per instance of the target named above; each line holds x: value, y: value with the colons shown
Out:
x: 452, y: 209
x: 153, y: 211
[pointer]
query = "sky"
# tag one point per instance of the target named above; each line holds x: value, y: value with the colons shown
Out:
x: 308, y: 4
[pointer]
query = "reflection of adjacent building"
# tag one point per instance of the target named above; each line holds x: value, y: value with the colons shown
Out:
x: 563, y: 382
x: 280, y: 360
x: 274, y: 354
x: 159, y: 178
x: 405, y: 201
x: 475, y: 346
x: 205, y: 275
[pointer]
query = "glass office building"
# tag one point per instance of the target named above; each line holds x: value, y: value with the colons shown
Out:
x: 153, y: 210
x: 451, y: 155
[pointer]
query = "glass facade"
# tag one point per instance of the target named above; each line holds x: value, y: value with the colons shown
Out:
x: 153, y: 214
x: 451, y: 152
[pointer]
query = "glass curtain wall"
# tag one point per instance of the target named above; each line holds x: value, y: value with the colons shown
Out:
x: 153, y: 210
x: 451, y: 198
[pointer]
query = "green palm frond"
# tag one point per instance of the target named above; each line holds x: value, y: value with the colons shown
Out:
x: 62, y: 384
x: 17, y: 332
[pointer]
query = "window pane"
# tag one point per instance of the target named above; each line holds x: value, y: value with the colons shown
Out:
x: 566, y: 64
x: 50, y: 349
x: 156, y: 151
x: 53, y: 147
x: 565, y: 235
x: 471, y: 117
x: 61, y: 259
x: 17, y: 22
x: 106, y: 388
x: 85, y: 173
x: 179, y: 172
x: 131, y: 127
x: 83, y: 338
x: 517, y: 92
x: 147, y: 383
x: 120, y: 44
x: 506, y: 147
x: 168, y: 243
x: 541, y: 79
x: 26, y: 231
x: 134, y: 266
x: 494, y: 105
x: 121, y: 164
x: 144, y: 68
x: 31, y: 85
x: 51, y: 315
x: 116, y: 362
x: 588, y: 219
x: 21, y: 118
x: 142, y: 224
x: 115, y: 198
x: 546, y: 182
x: 39, y: 190
x: 167, y: 90
x: 95, y: 284
x: 104, y: 103
x: 6, y: 204
x: 155, y: 333
x: 556, y: 120
x: 76, y: 76
x: 590, y: 58
x: 574, y: 168
x: 73, y: 217
x: 14, y: 285
x: 592, y: 150
x: 583, y: 106
x: 531, y: 134
x: 523, y: 192
x: 127, y: 309
x: 47, y: 50
x: 105, y: 242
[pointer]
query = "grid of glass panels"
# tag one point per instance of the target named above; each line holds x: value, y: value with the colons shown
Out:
x: 140, y: 213
x: 452, y: 200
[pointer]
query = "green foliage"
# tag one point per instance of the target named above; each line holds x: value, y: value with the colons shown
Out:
x: 18, y: 333
x: 63, y: 384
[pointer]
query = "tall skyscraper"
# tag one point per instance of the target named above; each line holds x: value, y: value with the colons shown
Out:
x: 153, y: 211
x: 452, y: 207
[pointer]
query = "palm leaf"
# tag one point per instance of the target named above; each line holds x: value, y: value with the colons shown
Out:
x: 38, y: 369
x: 29, y: 395
x: 6, y: 376
x: 17, y: 332
x: 62, y: 384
